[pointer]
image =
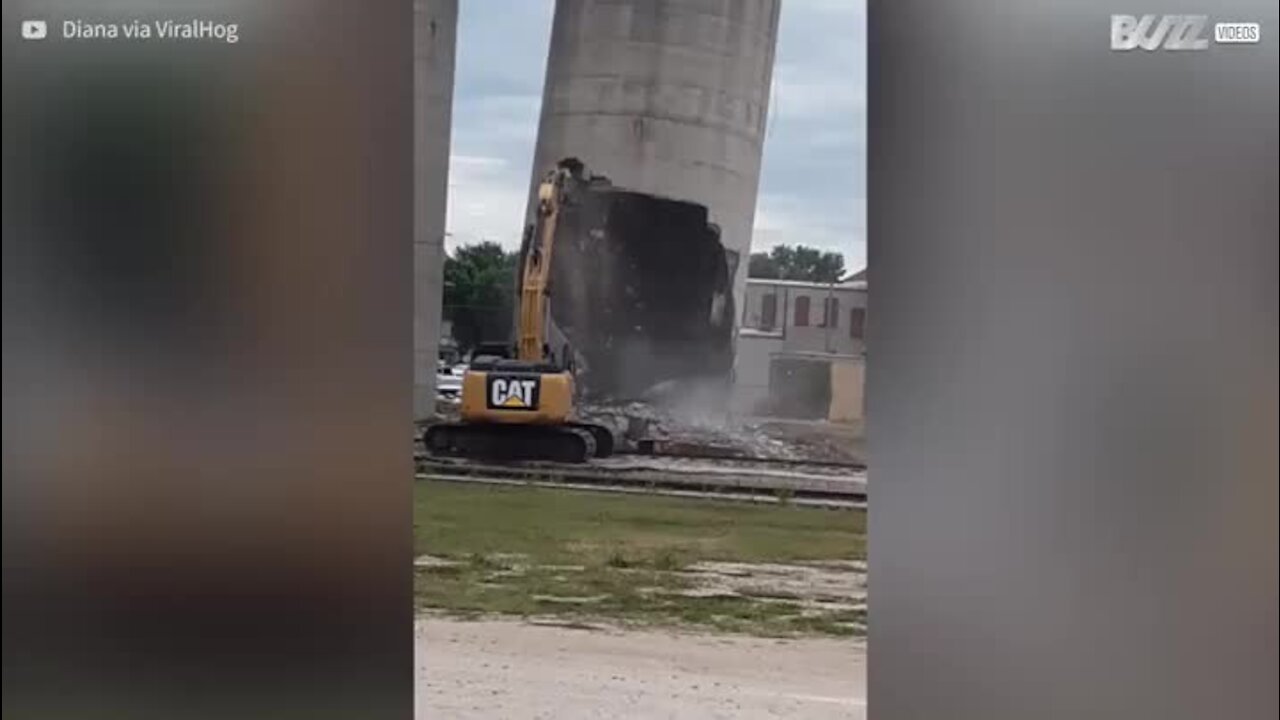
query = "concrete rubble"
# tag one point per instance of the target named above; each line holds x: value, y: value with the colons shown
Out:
x: 760, y: 438
x: 749, y: 437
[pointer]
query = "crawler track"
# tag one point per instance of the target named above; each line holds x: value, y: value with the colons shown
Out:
x: 511, y: 442
x: 572, y: 443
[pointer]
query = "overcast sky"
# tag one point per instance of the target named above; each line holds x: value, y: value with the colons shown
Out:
x: 812, y: 187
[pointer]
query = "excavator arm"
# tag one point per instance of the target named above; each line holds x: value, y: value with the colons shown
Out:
x: 535, y: 265
x: 531, y: 332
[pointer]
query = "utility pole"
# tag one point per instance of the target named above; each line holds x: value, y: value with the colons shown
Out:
x: 828, y: 317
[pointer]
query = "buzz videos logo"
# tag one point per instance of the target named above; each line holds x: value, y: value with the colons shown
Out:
x: 1177, y: 32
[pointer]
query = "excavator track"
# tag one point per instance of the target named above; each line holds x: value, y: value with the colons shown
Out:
x: 601, y: 434
x: 574, y: 443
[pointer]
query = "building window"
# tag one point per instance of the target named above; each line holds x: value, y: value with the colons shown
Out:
x: 768, y: 311
x: 802, y: 311
x: 857, y: 321
x: 831, y: 312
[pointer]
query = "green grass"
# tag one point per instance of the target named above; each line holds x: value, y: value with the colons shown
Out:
x: 591, y: 556
x: 554, y: 526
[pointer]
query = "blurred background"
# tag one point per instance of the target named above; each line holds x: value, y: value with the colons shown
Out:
x: 206, y: 317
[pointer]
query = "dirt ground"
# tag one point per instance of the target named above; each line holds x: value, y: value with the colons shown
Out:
x: 512, y: 669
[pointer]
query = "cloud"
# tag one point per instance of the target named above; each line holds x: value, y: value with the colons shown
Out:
x: 792, y: 220
x: 457, y: 162
x: 813, y: 178
x: 486, y: 201
x: 800, y: 93
x: 491, y: 123
x: 502, y: 51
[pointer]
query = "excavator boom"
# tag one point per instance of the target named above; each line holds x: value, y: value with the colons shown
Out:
x: 536, y: 270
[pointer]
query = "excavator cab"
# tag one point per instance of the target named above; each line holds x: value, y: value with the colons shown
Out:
x: 511, y: 391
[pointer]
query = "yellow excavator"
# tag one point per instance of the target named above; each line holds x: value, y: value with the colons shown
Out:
x: 522, y: 408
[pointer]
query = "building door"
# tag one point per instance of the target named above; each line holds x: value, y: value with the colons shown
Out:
x: 800, y: 388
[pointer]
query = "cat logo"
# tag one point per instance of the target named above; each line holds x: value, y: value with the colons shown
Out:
x: 513, y: 392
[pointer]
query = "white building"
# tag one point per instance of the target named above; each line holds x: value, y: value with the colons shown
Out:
x: 801, y: 349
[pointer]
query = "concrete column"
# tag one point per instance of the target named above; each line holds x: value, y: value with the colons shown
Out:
x: 668, y: 98
x: 435, y: 27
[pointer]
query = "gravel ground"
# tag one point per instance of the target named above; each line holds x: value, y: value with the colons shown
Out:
x: 510, y: 669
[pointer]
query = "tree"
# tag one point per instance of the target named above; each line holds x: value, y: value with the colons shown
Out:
x: 479, y: 293
x: 762, y: 265
x: 785, y: 262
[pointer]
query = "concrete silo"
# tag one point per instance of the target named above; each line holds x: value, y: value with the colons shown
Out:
x: 435, y: 25
x: 668, y: 98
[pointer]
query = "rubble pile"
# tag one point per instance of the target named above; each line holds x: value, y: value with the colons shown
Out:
x: 633, y: 422
x: 760, y: 438
x: 820, y: 441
